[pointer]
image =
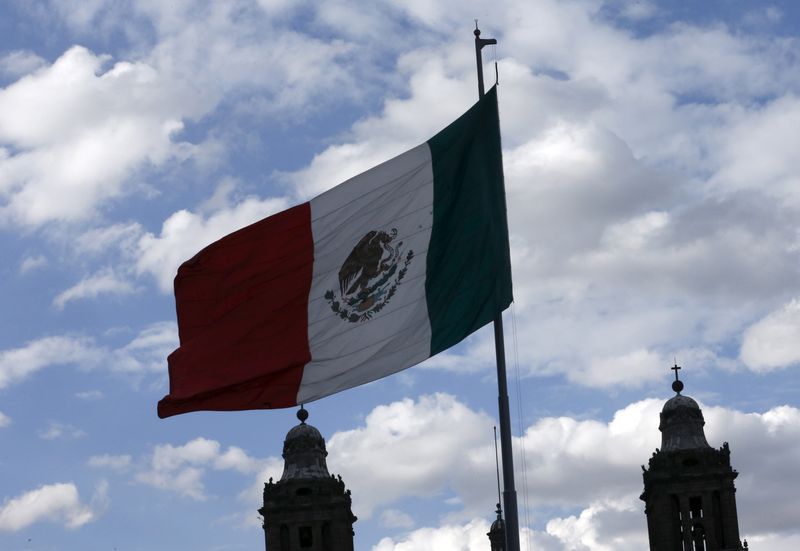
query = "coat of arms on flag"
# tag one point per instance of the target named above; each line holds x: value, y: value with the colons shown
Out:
x: 369, y: 277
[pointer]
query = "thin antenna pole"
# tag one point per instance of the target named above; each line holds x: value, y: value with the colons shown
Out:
x: 509, y: 490
x: 497, y: 466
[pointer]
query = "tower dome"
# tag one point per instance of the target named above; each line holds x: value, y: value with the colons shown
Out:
x: 682, y: 424
x: 304, y: 452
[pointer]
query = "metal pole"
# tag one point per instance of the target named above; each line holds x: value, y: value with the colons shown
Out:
x: 509, y: 490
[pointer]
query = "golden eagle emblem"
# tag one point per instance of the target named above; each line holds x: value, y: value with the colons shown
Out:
x: 369, y: 276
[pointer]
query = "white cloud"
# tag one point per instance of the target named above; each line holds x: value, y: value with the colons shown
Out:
x: 637, y: 10
x: 184, y: 233
x: 97, y: 240
x: 753, y: 152
x: 774, y: 542
x: 31, y: 263
x: 394, y: 518
x: 119, y: 463
x: 105, y: 282
x: 56, y: 430
x: 19, y: 363
x: 90, y: 395
x: 5, y: 420
x: 411, y: 448
x: 402, y: 124
x: 20, y: 62
x: 146, y: 352
x: 276, y: 7
x: 80, y: 132
x: 635, y: 234
x: 175, y: 468
x: 181, y: 469
x: 225, y: 47
x: 236, y: 459
x: 469, y: 537
x: 774, y: 341
x: 81, y: 128
x: 79, y: 14
x: 767, y: 15
x: 631, y: 369
x: 59, y: 503
x: 603, y: 526
x: 563, y: 453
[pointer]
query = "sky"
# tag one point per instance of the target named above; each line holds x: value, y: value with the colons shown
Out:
x: 650, y: 154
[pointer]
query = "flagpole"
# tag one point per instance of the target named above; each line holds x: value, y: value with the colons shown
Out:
x: 509, y: 490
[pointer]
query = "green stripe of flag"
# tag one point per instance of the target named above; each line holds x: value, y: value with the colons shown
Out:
x: 468, y: 263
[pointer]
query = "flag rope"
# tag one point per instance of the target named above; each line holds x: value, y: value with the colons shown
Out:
x: 525, y: 502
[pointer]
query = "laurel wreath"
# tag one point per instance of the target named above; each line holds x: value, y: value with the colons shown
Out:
x: 349, y: 314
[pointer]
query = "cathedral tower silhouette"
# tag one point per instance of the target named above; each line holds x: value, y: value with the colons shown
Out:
x: 689, y: 495
x: 308, y: 509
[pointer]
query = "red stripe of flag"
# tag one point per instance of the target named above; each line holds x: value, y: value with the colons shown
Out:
x: 242, y: 307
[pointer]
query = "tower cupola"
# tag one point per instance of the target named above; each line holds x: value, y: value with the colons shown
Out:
x: 308, y: 508
x: 682, y: 424
x: 304, y: 452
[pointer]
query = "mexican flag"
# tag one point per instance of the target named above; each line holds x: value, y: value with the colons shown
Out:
x: 369, y: 278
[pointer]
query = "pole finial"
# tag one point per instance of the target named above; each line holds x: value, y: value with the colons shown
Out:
x: 302, y: 414
x: 477, y: 31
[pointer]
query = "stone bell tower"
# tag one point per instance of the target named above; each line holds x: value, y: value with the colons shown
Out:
x: 308, y: 508
x: 690, y: 499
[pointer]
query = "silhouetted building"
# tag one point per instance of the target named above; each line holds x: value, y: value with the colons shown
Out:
x: 308, y: 508
x: 690, y: 499
x: 497, y: 533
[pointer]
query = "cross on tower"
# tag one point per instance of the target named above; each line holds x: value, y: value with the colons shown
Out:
x: 675, y: 368
x: 677, y: 385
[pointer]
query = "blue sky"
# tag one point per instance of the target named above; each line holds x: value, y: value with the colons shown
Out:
x: 653, y: 194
